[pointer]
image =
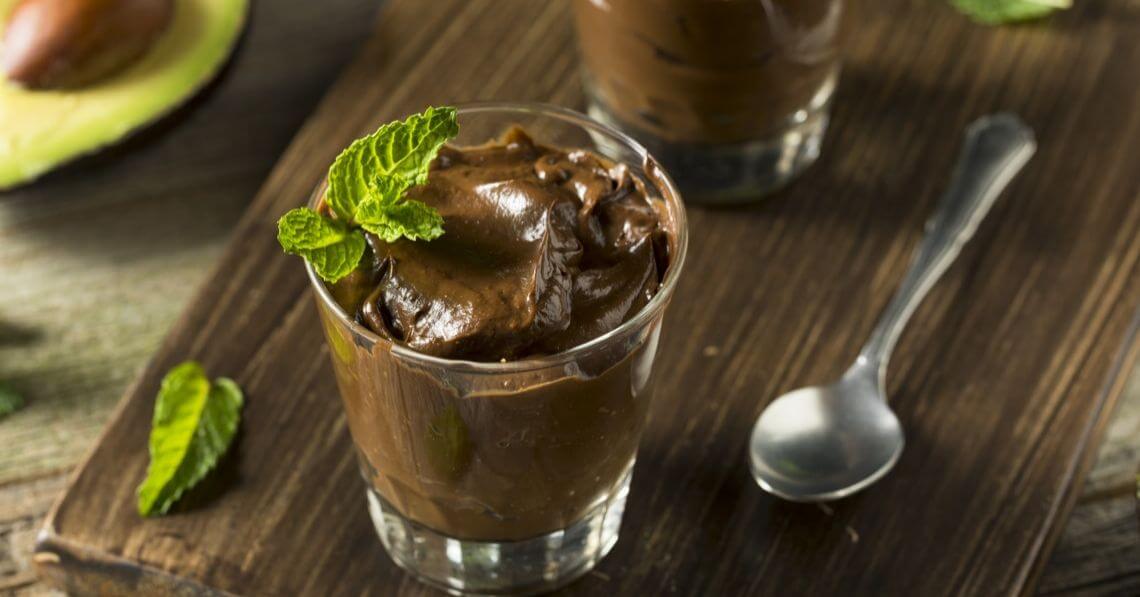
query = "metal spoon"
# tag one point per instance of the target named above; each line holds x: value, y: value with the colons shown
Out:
x: 826, y: 442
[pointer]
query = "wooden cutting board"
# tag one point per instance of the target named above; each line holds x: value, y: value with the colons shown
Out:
x: 1003, y: 381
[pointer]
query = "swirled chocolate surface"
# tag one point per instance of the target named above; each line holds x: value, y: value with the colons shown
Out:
x: 543, y: 249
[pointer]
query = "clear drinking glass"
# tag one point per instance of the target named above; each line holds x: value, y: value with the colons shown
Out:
x: 731, y: 95
x: 507, y: 477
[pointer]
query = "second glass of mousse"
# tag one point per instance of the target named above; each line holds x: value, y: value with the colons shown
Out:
x: 496, y: 379
x: 731, y: 95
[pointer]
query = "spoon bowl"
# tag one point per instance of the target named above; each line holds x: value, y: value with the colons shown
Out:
x: 825, y: 442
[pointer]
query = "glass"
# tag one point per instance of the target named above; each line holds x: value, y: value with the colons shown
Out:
x: 505, y: 477
x: 731, y: 95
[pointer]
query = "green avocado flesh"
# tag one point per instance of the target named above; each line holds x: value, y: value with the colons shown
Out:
x: 40, y: 130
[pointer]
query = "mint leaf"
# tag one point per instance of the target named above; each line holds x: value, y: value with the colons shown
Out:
x: 10, y: 401
x: 388, y: 215
x: 330, y: 246
x: 304, y: 229
x: 386, y: 190
x: 410, y: 219
x: 337, y: 261
x: 997, y: 12
x: 194, y: 423
x: 404, y: 149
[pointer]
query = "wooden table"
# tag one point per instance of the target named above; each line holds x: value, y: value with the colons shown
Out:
x: 83, y: 244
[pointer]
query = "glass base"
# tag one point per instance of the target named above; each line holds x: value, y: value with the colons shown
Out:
x: 735, y: 173
x: 525, y: 567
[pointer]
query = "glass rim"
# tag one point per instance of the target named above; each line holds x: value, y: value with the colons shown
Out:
x: 676, y: 211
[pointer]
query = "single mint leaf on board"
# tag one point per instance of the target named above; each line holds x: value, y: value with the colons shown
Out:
x: 997, y: 12
x: 10, y: 401
x: 329, y: 245
x: 194, y: 424
x: 402, y: 148
x: 387, y: 214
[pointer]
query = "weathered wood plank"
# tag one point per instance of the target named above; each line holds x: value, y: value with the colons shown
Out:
x: 22, y: 508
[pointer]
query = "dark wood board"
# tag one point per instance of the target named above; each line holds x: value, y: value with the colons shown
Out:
x: 1003, y: 380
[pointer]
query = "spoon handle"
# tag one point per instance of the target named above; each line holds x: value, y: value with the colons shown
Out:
x: 996, y: 148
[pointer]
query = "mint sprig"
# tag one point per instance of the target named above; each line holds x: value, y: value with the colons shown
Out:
x: 998, y: 12
x: 194, y: 423
x: 367, y: 184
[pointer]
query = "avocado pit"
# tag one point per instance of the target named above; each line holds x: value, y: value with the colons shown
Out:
x: 66, y: 44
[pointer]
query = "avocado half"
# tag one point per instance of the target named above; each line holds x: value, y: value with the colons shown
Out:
x: 40, y: 130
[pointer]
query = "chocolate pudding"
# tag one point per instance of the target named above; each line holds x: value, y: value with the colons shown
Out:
x: 711, y: 71
x: 690, y: 77
x: 544, y: 250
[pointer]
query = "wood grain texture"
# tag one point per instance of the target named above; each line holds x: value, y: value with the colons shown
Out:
x: 1099, y: 551
x: 24, y: 507
x: 1003, y: 381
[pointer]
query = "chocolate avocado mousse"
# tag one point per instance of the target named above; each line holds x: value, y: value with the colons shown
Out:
x: 545, y: 249
x: 704, y: 71
x: 731, y: 95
